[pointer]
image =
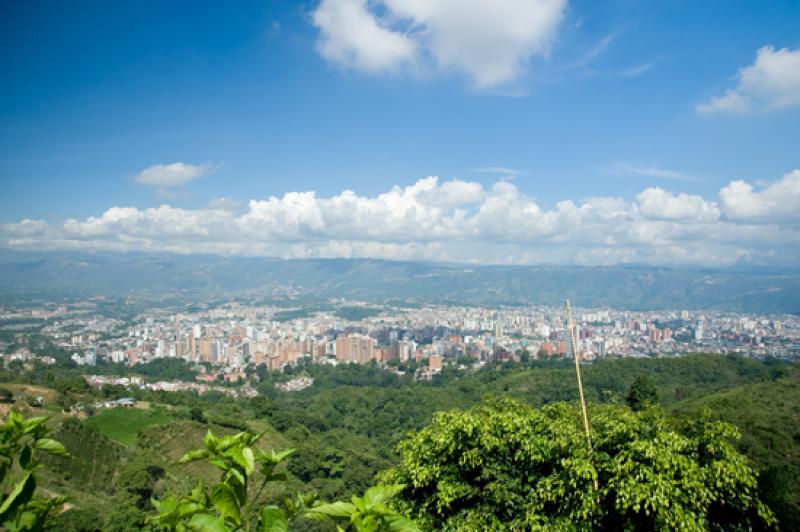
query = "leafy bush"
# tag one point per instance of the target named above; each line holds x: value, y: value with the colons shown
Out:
x: 229, y: 505
x: 20, y: 440
x: 504, y: 465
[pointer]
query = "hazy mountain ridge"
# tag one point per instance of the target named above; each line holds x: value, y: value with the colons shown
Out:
x: 624, y: 286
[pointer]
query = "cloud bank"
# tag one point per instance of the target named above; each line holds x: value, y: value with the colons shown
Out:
x: 772, y: 82
x: 455, y: 221
x: 488, y: 40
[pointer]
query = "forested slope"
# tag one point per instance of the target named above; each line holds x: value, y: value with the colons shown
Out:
x: 347, y: 426
x: 768, y: 416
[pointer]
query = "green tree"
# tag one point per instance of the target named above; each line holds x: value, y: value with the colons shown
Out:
x: 136, y: 481
x: 642, y: 393
x: 504, y: 465
x: 20, y: 441
x: 196, y: 414
x: 65, y: 402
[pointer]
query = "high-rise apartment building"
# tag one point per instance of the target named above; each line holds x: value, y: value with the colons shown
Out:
x: 357, y: 348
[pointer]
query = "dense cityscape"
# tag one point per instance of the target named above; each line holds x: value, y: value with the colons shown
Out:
x: 229, y: 338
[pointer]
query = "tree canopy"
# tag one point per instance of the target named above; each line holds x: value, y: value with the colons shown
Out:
x: 504, y: 465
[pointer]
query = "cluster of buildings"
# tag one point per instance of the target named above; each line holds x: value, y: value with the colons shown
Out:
x: 25, y: 357
x: 200, y: 388
x: 233, y: 336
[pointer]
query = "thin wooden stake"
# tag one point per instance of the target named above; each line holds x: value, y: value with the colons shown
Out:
x: 580, y: 384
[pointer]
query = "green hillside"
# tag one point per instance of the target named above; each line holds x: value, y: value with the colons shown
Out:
x: 347, y: 426
x: 768, y: 416
x: 124, y: 424
x: 91, y: 471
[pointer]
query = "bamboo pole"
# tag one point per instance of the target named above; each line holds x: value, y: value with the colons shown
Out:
x: 574, y: 341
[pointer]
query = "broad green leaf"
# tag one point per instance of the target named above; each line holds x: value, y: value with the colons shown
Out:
x: 185, y: 509
x: 381, y: 494
x: 165, y: 506
x: 281, y: 456
x: 225, y: 501
x: 198, y: 492
x: 330, y: 510
x: 192, y: 456
x: 204, y: 522
x: 234, y: 476
x: 210, y: 441
x: 53, y: 447
x: 26, y: 458
x: 15, y: 420
x: 273, y: 520
x: 243, y: 460
x: 33, y: 423
x: 220, y: 464
x: 21, y: 494
x: 226, y: 442
x: 401, y: 523
x: 247, y: 454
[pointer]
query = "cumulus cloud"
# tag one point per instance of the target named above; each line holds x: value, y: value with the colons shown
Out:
x: 775, y: 202
x: 772, y: 82
x: 489, y: 40
x: 177, y: 174
x: 657, y: 203
x: 351, y: 36
x: 454, y: 220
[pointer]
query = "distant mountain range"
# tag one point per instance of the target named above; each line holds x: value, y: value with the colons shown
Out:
x: 197, y: 277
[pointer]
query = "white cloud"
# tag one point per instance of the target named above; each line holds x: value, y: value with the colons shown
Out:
x: 489, y: 40
x: 173, y: 175
x: 657, y: 203
x: 772, y: 82
x: 776, y: 201
x: 351, y: 36
x: 455, y: 220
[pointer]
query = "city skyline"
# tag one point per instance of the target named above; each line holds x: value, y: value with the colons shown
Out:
x: 558, y: 132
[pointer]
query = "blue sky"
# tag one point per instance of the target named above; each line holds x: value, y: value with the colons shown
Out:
x: 260, y: 99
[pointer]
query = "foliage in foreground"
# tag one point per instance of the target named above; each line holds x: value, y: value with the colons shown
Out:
x: 20, y: 440
x: 230, y: 505
x: 504, y: 465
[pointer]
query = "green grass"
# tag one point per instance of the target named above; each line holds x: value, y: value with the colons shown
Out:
x: 123, y: 424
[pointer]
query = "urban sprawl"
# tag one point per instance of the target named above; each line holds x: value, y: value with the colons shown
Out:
x: 225, y: 340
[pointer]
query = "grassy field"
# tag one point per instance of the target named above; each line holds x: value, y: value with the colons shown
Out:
x: 123, y: 424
